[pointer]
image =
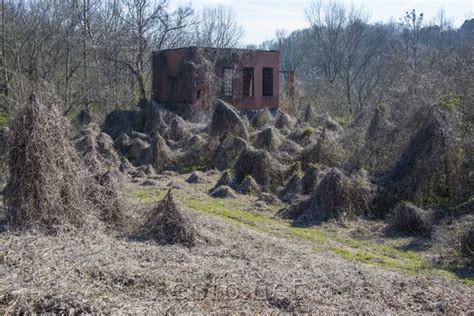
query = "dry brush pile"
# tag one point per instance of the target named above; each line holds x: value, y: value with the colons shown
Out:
x: 50, y: 189
x: 47, y: 183
x: 409, y: 218
x: 337, y: 196
x: 60, y: 182
x: 168, y: 224
x: 429, y: 170
x: 421, y: 161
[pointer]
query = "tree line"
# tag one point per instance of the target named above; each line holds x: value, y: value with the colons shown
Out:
x: 344, y: 63
x: 95, y: 53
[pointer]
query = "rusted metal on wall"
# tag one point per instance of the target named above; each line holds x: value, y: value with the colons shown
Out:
x: 178, y: 76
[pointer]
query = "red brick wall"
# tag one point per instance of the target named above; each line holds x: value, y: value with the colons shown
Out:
x: 258, y: 61
x: 169, y: 84
x: 172, y: 78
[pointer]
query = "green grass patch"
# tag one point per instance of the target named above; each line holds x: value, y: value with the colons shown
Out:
x: 343, y: 120
x: 307, y: 132
x: 4, y: 119
x: 147, y: 196
x: 320, y: 238
x: 229, y: 211
x: 384, y: 256
x: 295, y: 168
x: 348, y: 248
x: 450, y: 101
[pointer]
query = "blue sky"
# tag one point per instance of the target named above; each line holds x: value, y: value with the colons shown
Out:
x: 262, y: 18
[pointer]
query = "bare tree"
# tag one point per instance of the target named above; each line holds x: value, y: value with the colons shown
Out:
x: 91, y: 51
x: 327, y: 22
x: 3, y: 59
x: 150, y: 26
x: 412, y: 24
x: 218, y: 28
x: 292, y: 49
x: 443, y: 21
x: 347, y: 50
x: 95, y: 53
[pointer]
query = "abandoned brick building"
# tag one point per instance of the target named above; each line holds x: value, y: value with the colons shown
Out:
x: 248, y: 79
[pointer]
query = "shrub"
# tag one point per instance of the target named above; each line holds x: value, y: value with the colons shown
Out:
x: 168, y: 224
x: 266, y: 171
x: 408, y: 218
x: 226, y: 179
x: 249, y: 186
x: 326, y: 151
x: 429, y: 170
x: 467, y: 243
x: 295, y: 169
x: 50, y: 189
x: 336, y: 196
x: 47, y: 179
x: 223, y: 192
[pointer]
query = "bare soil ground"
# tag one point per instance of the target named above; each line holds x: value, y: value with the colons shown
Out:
x: 247, y: 260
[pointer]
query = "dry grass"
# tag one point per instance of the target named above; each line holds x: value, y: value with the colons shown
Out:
x: 167, y: 224
x: 252, y: 261
x: 242, y: 268
x: 104, y: 192
x: 408, y: 218
x: 452, y: 243
x: 259, y: 164
x: 337, y: 196
x: 47, y: 179
x: 50, y: 188
x: 239, y: 271
x: 467, y: 243
x: 429, y: 170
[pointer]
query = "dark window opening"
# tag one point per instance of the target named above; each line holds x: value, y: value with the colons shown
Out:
x: 228, y: 77
x: 267, y: 82
x: 247, y: 82
x: 198, y: 93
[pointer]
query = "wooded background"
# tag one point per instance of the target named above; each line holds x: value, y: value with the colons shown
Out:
x: 95, y: 54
